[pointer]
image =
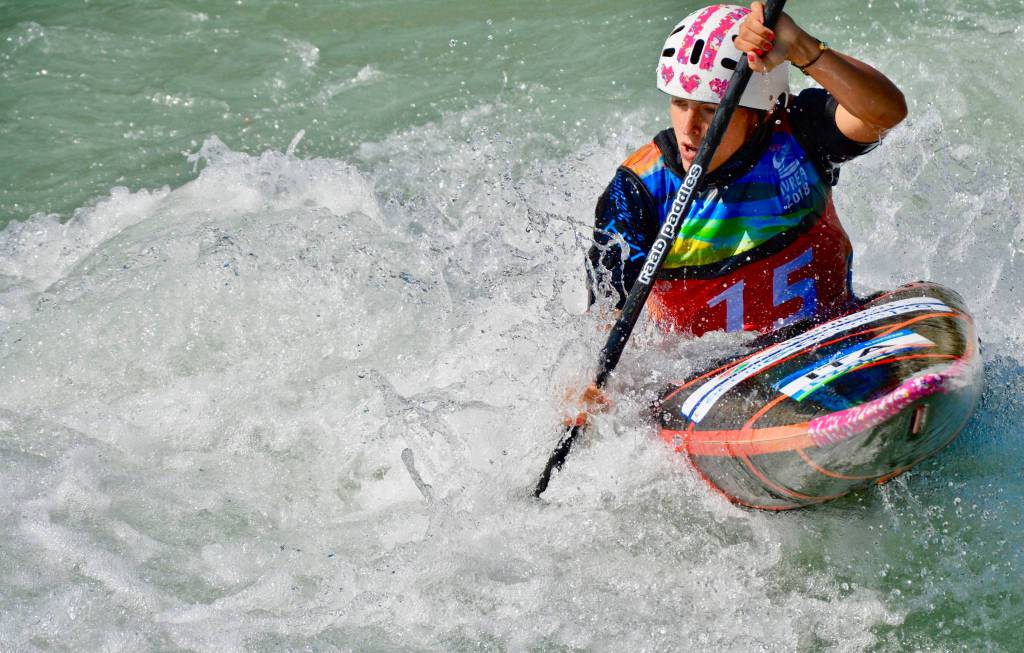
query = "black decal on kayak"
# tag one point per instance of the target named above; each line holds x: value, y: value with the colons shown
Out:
x: 867, y: 351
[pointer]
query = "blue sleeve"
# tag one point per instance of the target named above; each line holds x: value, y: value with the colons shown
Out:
x: 623, y: 225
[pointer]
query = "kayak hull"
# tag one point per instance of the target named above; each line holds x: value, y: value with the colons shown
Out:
x: 807, y: 415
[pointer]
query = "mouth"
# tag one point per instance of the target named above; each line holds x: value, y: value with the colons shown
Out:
x: 687, y: 152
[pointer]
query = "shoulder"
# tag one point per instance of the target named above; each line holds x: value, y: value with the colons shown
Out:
x: 658, y: 156
x: 626, y: 195
x: 627, y: 203
x: 645, y: 160
x: 812, y: 118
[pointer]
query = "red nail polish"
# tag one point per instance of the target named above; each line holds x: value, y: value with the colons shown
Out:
x: 768, y: 48
x: 759, y: 52
x: 751, y: 58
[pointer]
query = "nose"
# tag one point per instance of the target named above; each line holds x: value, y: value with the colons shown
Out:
x: 691, y: 121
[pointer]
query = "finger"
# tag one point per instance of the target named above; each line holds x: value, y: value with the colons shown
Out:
x: 595, y: 398
x: 753, y: 45
x: 755, y: 31
x: 757, y: 12
x: 754, y: 24
x: 579, y: 420
x: 598, y: 404
x: 757, y: 49
x: 757, y: 64
x: 762, y: 34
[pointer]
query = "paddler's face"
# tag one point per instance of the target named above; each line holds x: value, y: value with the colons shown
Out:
x: 690, y: 121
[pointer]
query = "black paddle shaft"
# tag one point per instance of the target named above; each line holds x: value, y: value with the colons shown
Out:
x: 612, y: 350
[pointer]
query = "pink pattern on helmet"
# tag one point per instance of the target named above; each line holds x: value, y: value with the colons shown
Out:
x: 695, y: 29
x: 718, y: 87
x: 668, y: 73
x: 707, y: 60
x: 689, y: 83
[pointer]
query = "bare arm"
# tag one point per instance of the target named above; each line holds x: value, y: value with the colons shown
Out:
x: 869, y: 103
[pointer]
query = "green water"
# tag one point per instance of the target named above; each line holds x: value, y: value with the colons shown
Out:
x: 215, y: 348
x: 101, y: 94
x: 104, y: 94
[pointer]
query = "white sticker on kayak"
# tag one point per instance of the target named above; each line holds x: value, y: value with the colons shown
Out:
x: 803, y: 383
x: 698, y: 404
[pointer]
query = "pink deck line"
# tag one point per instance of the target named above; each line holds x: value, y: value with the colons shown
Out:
x: 835, y: 427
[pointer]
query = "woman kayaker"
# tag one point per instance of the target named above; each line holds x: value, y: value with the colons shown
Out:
x: 762, y: 246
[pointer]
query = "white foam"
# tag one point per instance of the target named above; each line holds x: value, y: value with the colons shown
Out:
x: 209, y: 393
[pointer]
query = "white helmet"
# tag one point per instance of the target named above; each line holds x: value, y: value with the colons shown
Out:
x: 699, y: 58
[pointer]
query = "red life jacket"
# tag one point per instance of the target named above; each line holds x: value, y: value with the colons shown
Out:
x: 809, y: 277
x: 765, y: 250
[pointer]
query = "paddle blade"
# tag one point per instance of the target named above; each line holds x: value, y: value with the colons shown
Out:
x: 557, y: 458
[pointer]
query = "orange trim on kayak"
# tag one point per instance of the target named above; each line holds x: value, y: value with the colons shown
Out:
x: 778, y: 489
x: 885, y: 360
x: 700, y: 473
x: 741, y: 442
x: 711, y: 484
x: 764, y: 409
x: 746, y: 441
x: 825, y: 472
x: 736, y: 362
x: 927, y: 316
x: 728, y: 497
x: 956, y: 433
x: 909, y: 286
x: 782, y: 438
x: 884, y: 329
x: 687, y: 384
